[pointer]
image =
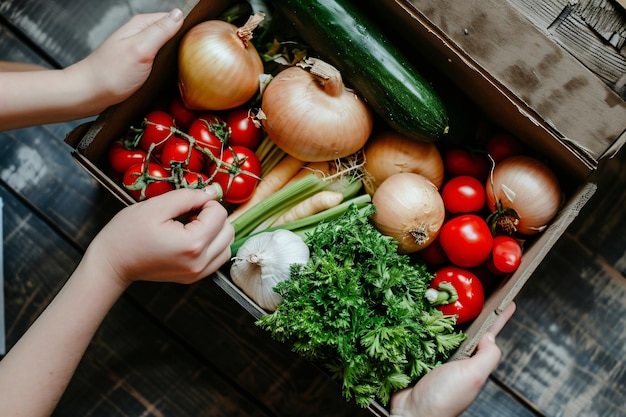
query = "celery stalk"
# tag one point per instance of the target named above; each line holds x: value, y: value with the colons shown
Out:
x: 309, y: 223
x: 288, y: 196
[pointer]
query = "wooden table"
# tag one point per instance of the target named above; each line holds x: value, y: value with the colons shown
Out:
x: 170, y: 350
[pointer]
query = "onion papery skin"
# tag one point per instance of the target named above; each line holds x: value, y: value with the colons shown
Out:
x: 217, y: 70
x: 310, y: 124
x: 389, y: 152
x: 409, y: 209
x: 529, y: 187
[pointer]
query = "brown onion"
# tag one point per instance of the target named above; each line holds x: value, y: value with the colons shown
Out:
x: 409, y: 209
x: 218, y: 66
x: 312, y: 116
x: 524, y: 195
x: 389, y: 152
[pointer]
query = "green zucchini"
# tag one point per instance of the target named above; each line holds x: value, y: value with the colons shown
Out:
x: 343, y: 36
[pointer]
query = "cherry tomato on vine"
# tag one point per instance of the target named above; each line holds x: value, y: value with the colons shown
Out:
x: 157, y: 128
x: 462, y: 162
x: 506, y: 255
x: 152, y: 183
x: 503, y: 145
x: 240, y: 176
x: 179, y: 151
x: 466, y: 240
x: 243, y: 130
x: 195, y: 180
x: 463, y: 194
x: 210, y: 132
x: 181, y: 114
x: 457, y: 291
x: 122, y: 158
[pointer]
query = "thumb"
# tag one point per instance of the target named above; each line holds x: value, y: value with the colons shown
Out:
x: 487, y: 353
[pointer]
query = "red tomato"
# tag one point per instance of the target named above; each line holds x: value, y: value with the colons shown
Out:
x: 195, y: 180
x: 461, y: 162
x: 457, y: 291
x: 502, y: 145
x: 506, y: 255
x: 210, y: 132
x: 179, y: 151
x: 141, y: 186
x: 181, y: 114
x: 433, y: 254
x: 122, y: 158
x: 240, y: 178
x: 466, y: 240
x: 243, y: 130
x: 157, y: 128
x: 463, y: 194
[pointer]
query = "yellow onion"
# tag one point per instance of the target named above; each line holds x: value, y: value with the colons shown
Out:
x: 389, y: 152
x: 523, y: 194
x: 218, y: 66
x: 409, y: 209
x: 312, y: 116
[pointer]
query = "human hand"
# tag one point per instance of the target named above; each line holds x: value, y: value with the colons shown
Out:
x: 144, y: 242
x: 122, y: 63
x: 449, y: 389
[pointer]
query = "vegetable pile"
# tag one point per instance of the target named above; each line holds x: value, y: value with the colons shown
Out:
x: 369, y: 248
x: 358, y: 309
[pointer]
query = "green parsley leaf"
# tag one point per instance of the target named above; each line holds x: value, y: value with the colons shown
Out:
x: 358, y: 310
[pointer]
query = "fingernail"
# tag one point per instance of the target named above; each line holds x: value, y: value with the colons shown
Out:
x: 215, y: 190
x: 176, y: 15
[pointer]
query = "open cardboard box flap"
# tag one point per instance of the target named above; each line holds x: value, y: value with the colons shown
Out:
x: 517, y: 75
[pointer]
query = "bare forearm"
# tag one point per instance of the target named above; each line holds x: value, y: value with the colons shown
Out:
x: 31, y: 98
x: 36, y: 371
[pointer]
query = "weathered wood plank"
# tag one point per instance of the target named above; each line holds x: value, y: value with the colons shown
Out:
x: 601, y: 227
x: 565, y: 347
x: 38, y: 166
x: 494, y: 401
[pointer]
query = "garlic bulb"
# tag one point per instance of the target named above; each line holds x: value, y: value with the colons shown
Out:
x: 263, y: 261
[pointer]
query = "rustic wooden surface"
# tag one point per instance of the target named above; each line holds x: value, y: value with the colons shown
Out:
x: 169, y: 350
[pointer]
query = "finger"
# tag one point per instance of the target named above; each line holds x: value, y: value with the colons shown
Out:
x: 176, y: 203
x: 211, y: 213
x: 218, y: 251
x: 503, y: 318
x: 215, y: 191
x: 159, y: 31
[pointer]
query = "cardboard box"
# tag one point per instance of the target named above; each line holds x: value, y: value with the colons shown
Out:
x: 515, y: 74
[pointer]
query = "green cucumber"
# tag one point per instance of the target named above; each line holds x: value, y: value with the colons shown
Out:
x: 343, y: 36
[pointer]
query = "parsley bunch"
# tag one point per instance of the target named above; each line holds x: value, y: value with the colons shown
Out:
x: 358, y: 310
